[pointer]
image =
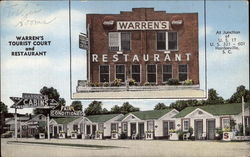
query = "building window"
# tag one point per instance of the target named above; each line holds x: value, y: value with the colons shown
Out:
x: 136, y: 72
x: 125, y: 127
x: 151, y: 69
x: 119, y: 41
x: 167, y: 41
x: 167, y: 72
x: 104, y: 73
x: 225, y: 123
x: 114, y: 127
x: 183, y: 72
x: 120, y: 72
x: 185, y: 125
x: 171, y: 125
x: 150, y: 125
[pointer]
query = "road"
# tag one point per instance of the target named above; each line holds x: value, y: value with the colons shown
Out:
x: 126, y: 148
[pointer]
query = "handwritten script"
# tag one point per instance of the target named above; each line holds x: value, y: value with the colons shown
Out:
x: 27, y: 15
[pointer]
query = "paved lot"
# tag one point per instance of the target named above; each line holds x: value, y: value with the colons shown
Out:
x: 127, y: 148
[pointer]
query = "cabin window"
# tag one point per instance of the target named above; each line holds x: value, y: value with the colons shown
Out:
x: 100, y: 126
x: 114, y: 127
x: 125, y: 127
x: 150, y: 125
x: 185, y: 125
x: 171, y: 125
x: 225, y: 123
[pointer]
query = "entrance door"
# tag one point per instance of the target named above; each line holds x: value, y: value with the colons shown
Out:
x: 93, y: 129
x: 88, y: 129
x: 132, y: 128
x: 55, y: 131
x: 198, y: 129
x: 141, y: 130
x: 211, y: 129
x: 165, y: 129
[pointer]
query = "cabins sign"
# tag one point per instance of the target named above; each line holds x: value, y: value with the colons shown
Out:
x: 30, y: 100
x: 66, y: 111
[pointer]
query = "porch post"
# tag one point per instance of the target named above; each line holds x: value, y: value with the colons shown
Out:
x: 48, y: 127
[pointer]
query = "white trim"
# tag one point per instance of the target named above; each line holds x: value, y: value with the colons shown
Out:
x: 168, y: 113
x: 166, y: 40
x: 199, y: 109
x: 130, y: 114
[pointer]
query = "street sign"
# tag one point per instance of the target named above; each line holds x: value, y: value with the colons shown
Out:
x: 83, y: 41
x: 33, y: 101
x: 34, y: 96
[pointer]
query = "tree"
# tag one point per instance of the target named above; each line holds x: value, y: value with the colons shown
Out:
x: 181, y: 104
x: 94, y: 107
x: 237, y: 96
x: 115, y: 109
x: 160, y: 106
x: 77, y: 105
x: 3, y: 108
x: 52, y: 93
x: 105, y: 111
x: 213, y: 97
x: 126, y: 108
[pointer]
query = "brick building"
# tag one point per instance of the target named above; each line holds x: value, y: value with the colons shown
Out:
x: 144, y: 45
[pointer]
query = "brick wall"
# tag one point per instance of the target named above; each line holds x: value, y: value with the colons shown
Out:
x: 144, y: 42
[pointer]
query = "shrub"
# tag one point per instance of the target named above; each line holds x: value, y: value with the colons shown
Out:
x: 146, y: 84
x: 219, y: 132
x: 132, y: 82
x: 188, y: 82
x: 173, y: 82
x: 105, y: 84
x: 117, y: 82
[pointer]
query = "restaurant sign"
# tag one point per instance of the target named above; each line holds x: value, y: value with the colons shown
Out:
x: 66, y: 111
x: 142, y: 25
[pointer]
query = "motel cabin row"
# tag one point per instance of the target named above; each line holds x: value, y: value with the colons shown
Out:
x: 203, y: 119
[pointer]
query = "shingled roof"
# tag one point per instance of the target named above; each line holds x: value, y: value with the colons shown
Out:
x: 65, y: 120
x: 101, y: 118
x: 216, y: 110
x: 147, y: 115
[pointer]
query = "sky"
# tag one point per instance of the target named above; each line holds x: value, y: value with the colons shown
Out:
x: 50, y: 19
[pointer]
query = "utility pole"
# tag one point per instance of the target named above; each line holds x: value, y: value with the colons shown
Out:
x: 243, y: 116
x: 48, y: 127
x: 15, y: 116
